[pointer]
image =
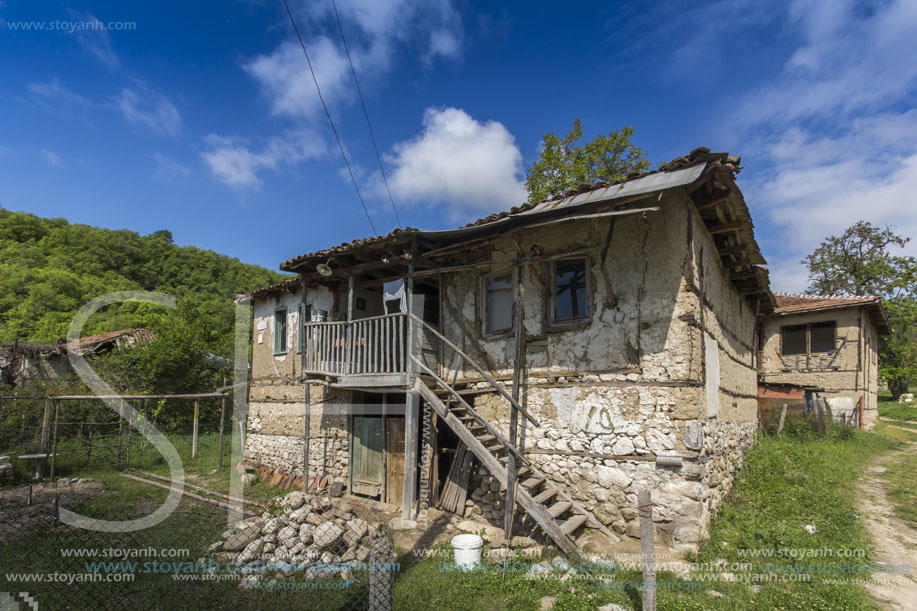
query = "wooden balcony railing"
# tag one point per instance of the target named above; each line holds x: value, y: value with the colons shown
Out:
x: 364, y: 346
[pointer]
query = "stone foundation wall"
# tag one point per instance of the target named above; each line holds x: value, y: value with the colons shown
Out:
x: 276, y: 426
x: 605, y: 457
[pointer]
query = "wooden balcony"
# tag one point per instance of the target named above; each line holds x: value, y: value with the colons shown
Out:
x: 367, y: 352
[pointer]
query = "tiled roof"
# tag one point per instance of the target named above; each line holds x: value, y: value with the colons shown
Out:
x: 797, y: 303
x: 280, y: 287
x: 695, y: 157
x: 91, y: 342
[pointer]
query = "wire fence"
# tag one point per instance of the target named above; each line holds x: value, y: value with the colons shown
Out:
x: 44, y: 436
x: 185, y: 562
x: 307, y: 551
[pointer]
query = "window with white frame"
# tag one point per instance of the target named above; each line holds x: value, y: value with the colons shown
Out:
x: 498, y: 303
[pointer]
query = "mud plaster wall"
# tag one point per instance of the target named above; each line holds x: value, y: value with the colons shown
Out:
x: 852, y: 372
x: 601, y: 427
x: 276, y: 410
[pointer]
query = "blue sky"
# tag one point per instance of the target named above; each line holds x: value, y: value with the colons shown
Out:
x: 202, y: 117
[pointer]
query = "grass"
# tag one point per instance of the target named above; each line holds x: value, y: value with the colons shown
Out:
x: 889, y: 408
x: 902, y: 487
x: 894, y: 432
x: 788, y: 482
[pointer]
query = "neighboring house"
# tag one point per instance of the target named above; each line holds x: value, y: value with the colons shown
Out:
x: 23, y: 362
x: 582, y: 349
x: 829, y: 344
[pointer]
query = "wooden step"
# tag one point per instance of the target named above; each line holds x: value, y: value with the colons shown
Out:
x: 546, y: 495
x: 559, y: 508
x: 533, y: 482
x: 573, y: 523
x: 485, y: 439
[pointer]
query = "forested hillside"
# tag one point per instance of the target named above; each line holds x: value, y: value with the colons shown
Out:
x: 49, y: 268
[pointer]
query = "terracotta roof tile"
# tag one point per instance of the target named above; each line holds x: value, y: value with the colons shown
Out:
x: 798, y: 302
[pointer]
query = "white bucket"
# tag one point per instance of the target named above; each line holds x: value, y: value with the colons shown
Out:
x: 467, y: 549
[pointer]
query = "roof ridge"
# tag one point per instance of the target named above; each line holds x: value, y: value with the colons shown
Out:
x: 821, y: 296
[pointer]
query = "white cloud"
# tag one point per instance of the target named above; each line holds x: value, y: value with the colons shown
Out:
x: 149, y: 109
x: 94, y: 40
x: 235, y: 164
x: 168, y: 169
x: 51, y: 158
x: 286, y: 82
x: 54, y: 91
x: 838, y: 128
x: 459, y: 162
x: 375, y: 30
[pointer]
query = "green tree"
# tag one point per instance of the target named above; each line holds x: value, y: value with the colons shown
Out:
x: 859, y: 262
x: 568, y: 162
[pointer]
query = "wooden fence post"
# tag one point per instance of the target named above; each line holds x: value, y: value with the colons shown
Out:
x: 782, y: 418
x: 222, y: 421
x: 54, y: 439
x: 194, y: 433
x: 120, y: 431
x: 648, y: 560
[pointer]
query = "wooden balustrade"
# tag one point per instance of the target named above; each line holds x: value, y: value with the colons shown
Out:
x: 363, y: 346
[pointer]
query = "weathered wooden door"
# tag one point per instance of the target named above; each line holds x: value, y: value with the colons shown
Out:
x: 394, y: 460
x: 366, y: 460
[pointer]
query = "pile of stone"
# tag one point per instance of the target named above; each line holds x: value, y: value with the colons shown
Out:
x: 314, y: 535
x: 6, y: 468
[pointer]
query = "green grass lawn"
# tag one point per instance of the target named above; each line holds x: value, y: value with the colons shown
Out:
x: 902, y: 487
x: 889, y: 408
x: 788, y: 482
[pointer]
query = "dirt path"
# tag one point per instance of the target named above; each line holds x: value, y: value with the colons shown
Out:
x: 895, y: 540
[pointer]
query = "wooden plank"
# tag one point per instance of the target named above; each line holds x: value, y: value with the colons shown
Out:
x: 547, y: 494
x: 394, y: 457
x: 538, y: 512
x: 573, y: 523
x: 465, y: 404
x: 558, y: 508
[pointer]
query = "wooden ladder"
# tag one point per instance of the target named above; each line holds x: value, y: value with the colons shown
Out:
x: 558, y: 515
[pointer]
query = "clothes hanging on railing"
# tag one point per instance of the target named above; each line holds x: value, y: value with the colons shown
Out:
x: 394, y: 290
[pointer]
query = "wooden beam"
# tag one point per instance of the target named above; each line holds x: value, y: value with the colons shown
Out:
x: 725, y: 227
x: 504, y: 262
x: 704, y: 202
x: 519, y: 324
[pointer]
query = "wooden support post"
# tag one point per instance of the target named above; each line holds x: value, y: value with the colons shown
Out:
x: 127, y: 460
x: 120, y: 431
x: 519, y: 323
x: 412, y: 401
x: 54, y: 439
x: 348, y: 328
x: 647, y: 549
x: 782, y: 418
x: 222, y: 422
x: 305, y: 440
x: 194, y: 433
x: 45, y: 440
x: 819, y: 417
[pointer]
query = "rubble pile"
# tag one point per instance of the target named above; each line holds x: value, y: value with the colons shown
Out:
x: 315, y: 535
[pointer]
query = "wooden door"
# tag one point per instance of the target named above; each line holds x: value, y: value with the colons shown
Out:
x: 366, y: 459
x: 394, y: 460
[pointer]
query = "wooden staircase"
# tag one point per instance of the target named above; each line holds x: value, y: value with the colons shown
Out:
x: 553, y: 510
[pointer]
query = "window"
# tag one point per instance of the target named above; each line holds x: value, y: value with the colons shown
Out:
x: 809, y: 339
x: 280, y: 332
x: 570, y: 302
x: 821, y: 336
x: 498, y: 303
x: 794, y: 339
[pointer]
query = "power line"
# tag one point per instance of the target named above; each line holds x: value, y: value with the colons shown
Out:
x: 365, y: 112
x: 328, y: 114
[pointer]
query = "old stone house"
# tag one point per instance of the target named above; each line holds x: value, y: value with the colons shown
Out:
x: 830, y: 344
x: 579, y: 349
